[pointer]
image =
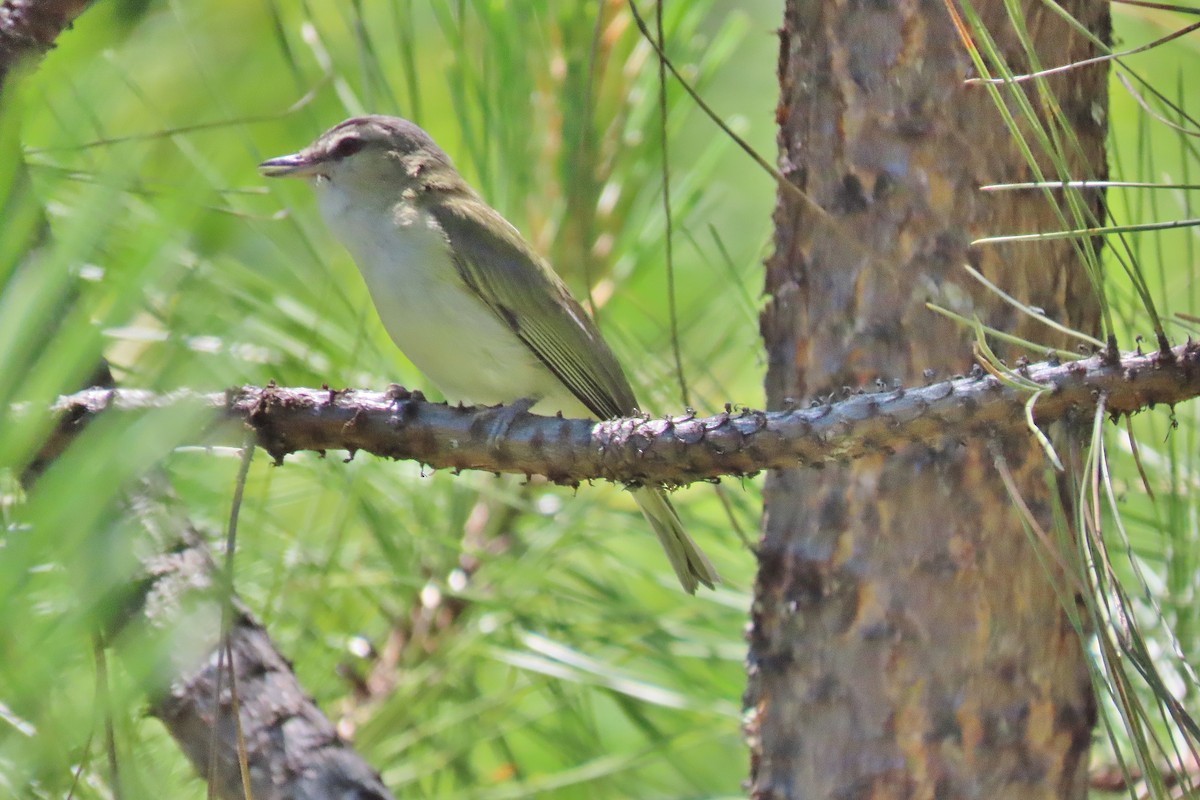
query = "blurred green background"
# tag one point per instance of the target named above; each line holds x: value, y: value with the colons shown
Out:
x: 575, y: 667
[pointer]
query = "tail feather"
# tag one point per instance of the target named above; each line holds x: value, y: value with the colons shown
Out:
x: 690, y: 564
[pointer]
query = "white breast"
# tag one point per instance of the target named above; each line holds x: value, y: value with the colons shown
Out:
x: 447, y: 332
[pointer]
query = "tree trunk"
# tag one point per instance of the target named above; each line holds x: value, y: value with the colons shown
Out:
x: 907, y: 641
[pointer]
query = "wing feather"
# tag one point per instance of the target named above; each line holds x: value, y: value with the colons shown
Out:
x: 518, y: 285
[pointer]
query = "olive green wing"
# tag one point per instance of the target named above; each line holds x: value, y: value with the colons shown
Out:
x: 518, y: 285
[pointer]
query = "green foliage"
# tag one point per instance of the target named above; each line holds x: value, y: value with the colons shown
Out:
x: 1138, y: 550
x: 135, y: 227
x: 567, y: 663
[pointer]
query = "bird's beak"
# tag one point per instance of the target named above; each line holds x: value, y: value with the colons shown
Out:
x: 294, y: 165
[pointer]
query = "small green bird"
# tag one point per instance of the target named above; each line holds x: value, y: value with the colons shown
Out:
x: 464, y: 296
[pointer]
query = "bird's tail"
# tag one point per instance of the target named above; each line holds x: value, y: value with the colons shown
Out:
x: 690, y: 565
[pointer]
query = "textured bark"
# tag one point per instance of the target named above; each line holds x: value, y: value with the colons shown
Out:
x: 906, y: 640
x: 667, y: 450
x: 292, y: 750
x: 170, y: 618
x: 28, y: 28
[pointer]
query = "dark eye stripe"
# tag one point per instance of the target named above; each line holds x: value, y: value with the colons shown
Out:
x: 347, y: 146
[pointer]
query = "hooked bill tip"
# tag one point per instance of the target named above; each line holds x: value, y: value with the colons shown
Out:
x: 283, y: 166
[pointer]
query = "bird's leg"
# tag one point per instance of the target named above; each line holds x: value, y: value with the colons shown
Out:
x: 503, y: 418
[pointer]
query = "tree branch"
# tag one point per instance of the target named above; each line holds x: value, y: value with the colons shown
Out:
x: 673, y: 450
x: 29, y: 27
x: 167, y: 622
x: 292, y: 749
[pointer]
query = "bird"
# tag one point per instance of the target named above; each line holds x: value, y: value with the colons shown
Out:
x: 465, y: 297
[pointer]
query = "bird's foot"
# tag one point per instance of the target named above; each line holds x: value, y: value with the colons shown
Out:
x: 502, y: 419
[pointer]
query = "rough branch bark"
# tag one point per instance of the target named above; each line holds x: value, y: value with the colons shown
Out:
x: 672, y: 451
x: 28, y: 28
x: 170, y: 617
x: 292, y: 749
x: 906, y: 638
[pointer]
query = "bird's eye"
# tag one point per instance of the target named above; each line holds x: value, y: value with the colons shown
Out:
x: 346, y: 147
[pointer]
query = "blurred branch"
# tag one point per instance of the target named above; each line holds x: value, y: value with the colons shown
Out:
x: 670, y: 450
x: 1111, y: 778
x: 28, y: 28
x: 175, y: 606
x: 292, y: 749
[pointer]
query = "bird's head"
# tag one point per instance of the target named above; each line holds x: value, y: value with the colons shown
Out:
x: 363, y: 153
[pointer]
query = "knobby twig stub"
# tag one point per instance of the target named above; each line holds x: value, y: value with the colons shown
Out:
x: 673, y: 450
